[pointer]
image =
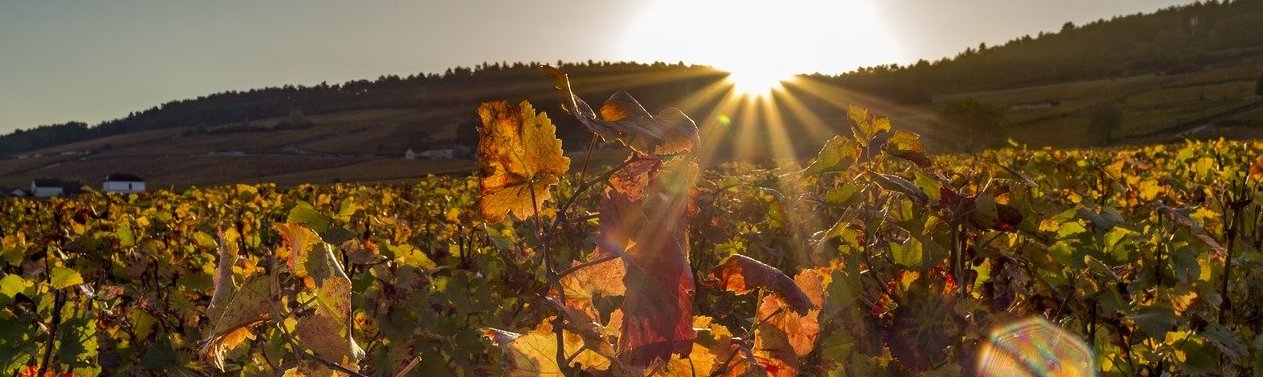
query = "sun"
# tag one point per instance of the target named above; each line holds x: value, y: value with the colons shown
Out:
x: 761, y: 43
x: 757, y: 82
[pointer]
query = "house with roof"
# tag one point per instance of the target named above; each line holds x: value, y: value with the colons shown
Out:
x: 123, y: 183
x: 446, y: 152
x: 48, y: 187
x: 12, y: 191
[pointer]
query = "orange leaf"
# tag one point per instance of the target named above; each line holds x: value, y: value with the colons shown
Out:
x: 785, y: 337
x: 519, y: 155
x: 741, y: 274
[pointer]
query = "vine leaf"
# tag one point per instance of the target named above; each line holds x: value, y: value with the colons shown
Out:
x: 907, y: 145
x: 924, y: 324
x: 623, y: 119
x: 897, y: 183
x: 1180, y: 216
x: 658, y: 283
x: 64, y: 277
x: 1229, y: 343
x: 533, y: 353
x: 865, y: 126
x: 837, y: 154
x: 300, y: 245
x: 741, y: 274
x: 518, y: 153
x: 326, y: 331
x: 223, y: 279
x: 786, y: 336
x: 232, y: 318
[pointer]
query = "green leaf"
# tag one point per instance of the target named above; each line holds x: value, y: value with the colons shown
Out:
x: 64, y: 277
x: 909, y: 254
x: 1227, y: 342
x: 77, y: 338
x: 930, y: 186
x: 306, y: 215
x: 838, y: 154
x: 13, y: 255
x: 126, y: 238
x: 1156, y: 322
x: 907, y: 145
x: 841, y: 195
x: 10, y: 286
x: 204, y: 240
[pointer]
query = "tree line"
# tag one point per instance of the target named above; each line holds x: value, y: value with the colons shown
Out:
x: 1171, y: 40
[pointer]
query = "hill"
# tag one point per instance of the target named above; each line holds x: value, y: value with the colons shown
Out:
x: 1189, y: 71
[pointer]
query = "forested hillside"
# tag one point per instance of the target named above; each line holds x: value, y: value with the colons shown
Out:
x: 1170, y: 41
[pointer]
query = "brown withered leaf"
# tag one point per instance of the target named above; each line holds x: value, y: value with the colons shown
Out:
x: 741, y: 274
x: 623, y: 119
x: 518, y: 154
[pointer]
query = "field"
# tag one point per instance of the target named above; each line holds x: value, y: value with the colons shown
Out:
x: 1209, y: 103
x: 876, y: 260
x: 369, y: 145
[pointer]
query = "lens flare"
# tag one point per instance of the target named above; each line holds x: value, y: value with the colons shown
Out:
x: 1034, y: 347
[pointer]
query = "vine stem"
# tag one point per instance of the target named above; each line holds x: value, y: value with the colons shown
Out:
x: 563, y: 363
x: 59, y: 301
x: 748, y: 337
x: 588, y: 159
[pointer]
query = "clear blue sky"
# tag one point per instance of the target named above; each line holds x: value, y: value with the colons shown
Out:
x: 96, y: 60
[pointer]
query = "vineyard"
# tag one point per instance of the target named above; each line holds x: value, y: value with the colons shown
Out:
x: 871, y: 259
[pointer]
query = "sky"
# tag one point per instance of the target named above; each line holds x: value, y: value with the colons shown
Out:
x: 92, y: 61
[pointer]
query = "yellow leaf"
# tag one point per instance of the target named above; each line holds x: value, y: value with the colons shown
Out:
x: 535, y: 353
x: 519, y: 156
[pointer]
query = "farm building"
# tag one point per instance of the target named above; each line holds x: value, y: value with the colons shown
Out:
x: 46, y: 187
x: 12, y: 191
x: 123, y: 183
x: 445, y: 152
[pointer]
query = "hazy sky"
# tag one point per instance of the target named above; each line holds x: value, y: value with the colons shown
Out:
x: 96, y: 60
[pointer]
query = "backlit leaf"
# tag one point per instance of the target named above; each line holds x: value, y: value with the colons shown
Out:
x: 232, y: 321
x: 519, y: 155
x: 837, y: 154
x: 907, y: 145
x: 623, y: 119
x: 64, y: 277
x: 326, y: 331
x: 741, y: 274
x: 787, y: 336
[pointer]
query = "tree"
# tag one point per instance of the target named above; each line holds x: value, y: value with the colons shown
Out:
x: 1258, y: 88
x: 1106, y: 119
x: 1066, y: 27
x: 983, y: 122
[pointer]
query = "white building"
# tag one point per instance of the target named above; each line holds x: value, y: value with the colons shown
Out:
x: 44, y: 187
x: 446, y: 152
x: 123, y: 183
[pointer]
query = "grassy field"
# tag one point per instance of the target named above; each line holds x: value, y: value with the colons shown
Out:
x: 1155, y: 108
